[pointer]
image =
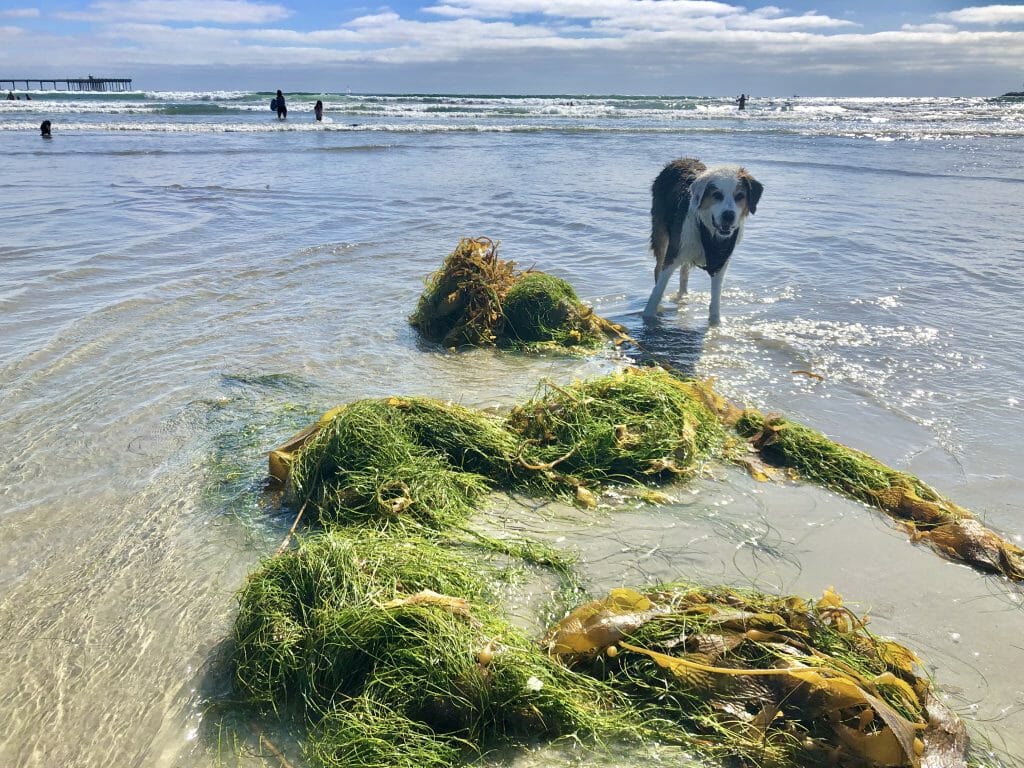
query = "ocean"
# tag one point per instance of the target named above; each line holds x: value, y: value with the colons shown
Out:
x: 187, y: 281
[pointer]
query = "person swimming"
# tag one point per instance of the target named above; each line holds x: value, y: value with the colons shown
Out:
x: 44, y: 129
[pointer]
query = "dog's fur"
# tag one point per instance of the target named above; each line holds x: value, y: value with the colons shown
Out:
x: 697, y: 217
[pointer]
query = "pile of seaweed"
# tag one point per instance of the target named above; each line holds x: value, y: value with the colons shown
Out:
x: 391, y: 649
x: 413, y: 458
x: 769, y: 680
x: 478, y: 299
x: 383, y: 633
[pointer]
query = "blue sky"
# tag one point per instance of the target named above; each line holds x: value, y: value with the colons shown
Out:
x: 685, y: 47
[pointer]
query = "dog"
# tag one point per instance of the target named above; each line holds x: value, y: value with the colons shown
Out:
x: 697, y: 217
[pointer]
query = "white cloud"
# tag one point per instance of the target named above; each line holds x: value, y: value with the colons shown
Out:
x: 605, y: 37
x: 211, y: 11
x: 641, y: 14
x: 20, y: 13
x: 585, y: 9
x: 928, y: 28
x: 986, y: 14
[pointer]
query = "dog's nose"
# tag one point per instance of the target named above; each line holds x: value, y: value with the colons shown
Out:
x: 728, y: 217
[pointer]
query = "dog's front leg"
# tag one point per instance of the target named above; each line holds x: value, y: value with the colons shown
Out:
x: 651, y: 309
x: 684, y: 280
x: 714, y: 312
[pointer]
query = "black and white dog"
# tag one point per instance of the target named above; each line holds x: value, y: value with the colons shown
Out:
x: 697, y: 216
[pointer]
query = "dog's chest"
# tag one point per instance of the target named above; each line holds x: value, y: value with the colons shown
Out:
x: 699, y: 248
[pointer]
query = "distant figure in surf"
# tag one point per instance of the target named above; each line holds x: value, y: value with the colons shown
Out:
x: 318, y: 111
x: 44, y: 129
x: 742, y: 100
x: 282, y: 109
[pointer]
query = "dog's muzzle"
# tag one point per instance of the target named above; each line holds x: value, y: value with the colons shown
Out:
x: 725, y: 224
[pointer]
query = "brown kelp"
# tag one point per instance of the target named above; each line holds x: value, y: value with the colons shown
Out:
x: 478, y: 299
x: 767, y: 680
x: 947, y: 527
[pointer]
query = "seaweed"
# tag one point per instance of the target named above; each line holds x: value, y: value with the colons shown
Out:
x: 364, y: 465
x: 384, y: 634
x: 948, y: 528
x: 636, y: 424
x: 388, y: 647
x: 391, y: 649
x: 429, y: 462
x: 767, y: 680
x: 477, y: 299
x: 543, y: 308
x: 461, y: 304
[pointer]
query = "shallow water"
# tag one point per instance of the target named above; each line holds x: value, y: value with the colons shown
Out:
x: 180, y: 291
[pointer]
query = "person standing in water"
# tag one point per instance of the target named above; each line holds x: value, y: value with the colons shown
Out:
x: 282, y: 109
x: 742, y: 100
x: 318, y: 111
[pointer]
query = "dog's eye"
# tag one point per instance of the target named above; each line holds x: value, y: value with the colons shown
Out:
x: 718, y: 196
x: 739, y: 197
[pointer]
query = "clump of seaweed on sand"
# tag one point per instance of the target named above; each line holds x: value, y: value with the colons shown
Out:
x: 391, y: 648
x: 413, y: 457
x: 770, y: 681
x: 478, y: 299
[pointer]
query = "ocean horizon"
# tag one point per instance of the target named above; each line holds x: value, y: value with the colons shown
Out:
x: 188, y: 280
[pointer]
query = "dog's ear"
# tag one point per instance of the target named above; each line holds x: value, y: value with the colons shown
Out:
x: 697, y: 190
x: 754, y: 189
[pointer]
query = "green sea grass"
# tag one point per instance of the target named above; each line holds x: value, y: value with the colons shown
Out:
x: 637, y: 424
x: 477, y: 299
x: 421, y: 460
x: 389, y: 647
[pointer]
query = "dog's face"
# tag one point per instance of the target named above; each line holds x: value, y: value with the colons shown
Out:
x: 722, y: 198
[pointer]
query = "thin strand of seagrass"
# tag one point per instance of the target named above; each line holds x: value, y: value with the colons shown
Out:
x: 542, y: 467
x: 264, y: 741
x: 291, y: 531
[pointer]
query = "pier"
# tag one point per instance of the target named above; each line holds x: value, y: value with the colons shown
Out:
x: 89, y: 84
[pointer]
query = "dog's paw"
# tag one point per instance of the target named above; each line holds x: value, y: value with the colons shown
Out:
x: 714, y: 320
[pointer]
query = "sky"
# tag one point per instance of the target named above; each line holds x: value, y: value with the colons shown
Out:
x: 669, y: 47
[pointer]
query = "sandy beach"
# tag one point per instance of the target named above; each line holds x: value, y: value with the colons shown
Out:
x: 186, y: 283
